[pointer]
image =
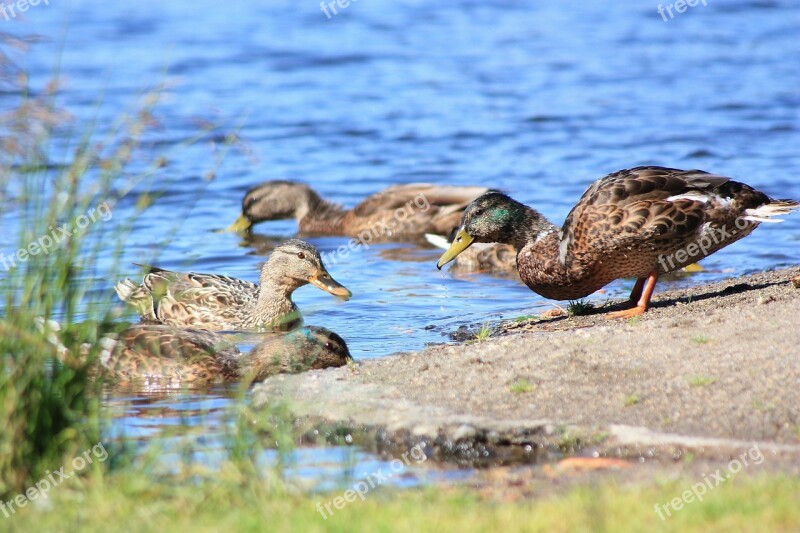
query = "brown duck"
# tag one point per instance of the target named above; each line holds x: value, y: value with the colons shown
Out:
x: 215, y: 302
x: 640, y: 222
x: 168, y: 356
x: 400, y: 212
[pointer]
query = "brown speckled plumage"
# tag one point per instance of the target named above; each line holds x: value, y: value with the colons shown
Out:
x: 215, y: 302
x: 396, y: 213
x: 638, y: 223
x: 168, y: 356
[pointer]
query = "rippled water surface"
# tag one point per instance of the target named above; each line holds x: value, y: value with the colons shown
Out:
x: 535, y: 98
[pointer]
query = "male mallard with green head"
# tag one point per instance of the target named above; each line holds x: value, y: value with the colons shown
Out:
x: 217, y: 302
x: 639, y: 222
x: 399, y: 212
x: 167, y: 356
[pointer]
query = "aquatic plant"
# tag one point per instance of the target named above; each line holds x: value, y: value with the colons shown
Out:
x: 580, y: 307
x: 61, y: 214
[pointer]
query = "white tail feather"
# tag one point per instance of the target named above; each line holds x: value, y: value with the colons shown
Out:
x: 762, y: 219
x: 766, y: 212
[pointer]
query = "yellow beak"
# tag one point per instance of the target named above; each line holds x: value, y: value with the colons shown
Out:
x: 324, y: 281
x: 462, y: 241
x: 242, y: 223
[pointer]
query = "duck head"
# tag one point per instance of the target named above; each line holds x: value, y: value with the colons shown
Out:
x: 295, y: 263
x: 275, y: 200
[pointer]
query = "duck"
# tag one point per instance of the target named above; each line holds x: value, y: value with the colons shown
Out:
x: 216, y: 302
x: 170, y: 356
x: 480, y: 257
x: 400, y: 212
x: 638, y: 223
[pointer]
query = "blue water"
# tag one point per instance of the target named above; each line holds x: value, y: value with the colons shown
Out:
x: 189, y: 428
x: 536, y: 98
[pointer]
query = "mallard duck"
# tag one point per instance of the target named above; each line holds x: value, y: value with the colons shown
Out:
x: 480, y: 257
x: 399, y: 212
x: 640, y: 222
x: 156, y: 353
x: 215, y: 302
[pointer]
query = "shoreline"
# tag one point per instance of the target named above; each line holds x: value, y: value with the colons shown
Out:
x: 709, y: 370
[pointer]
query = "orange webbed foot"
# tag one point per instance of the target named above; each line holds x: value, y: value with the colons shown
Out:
x: 627, y: 313
x: 643, y: 290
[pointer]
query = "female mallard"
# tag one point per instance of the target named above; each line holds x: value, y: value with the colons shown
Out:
x: 399, y: 212
x: 216, y: 302
x: 165, y: 355
x: 640, y: 223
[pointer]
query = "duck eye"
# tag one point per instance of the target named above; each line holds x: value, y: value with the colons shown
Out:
x: 328, y: 345
x: 301, y: 255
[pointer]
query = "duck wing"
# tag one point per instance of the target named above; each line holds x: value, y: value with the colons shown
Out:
x: 155, y: 351
x: 653, y: 208
x: 197, y: 299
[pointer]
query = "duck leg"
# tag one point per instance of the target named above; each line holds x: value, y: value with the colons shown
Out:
x: 636, y: 292
x: 644, y: 291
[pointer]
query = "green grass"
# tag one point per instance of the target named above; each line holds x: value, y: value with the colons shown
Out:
x: 232, y: 501
x: 50, y: 405
x: 761, y: 405
x: 521, y: 386
x: 525, y: 318
x: 701, y: 339
x: 633, y: 399
x: 702, y: 381
x: 483, y: 334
